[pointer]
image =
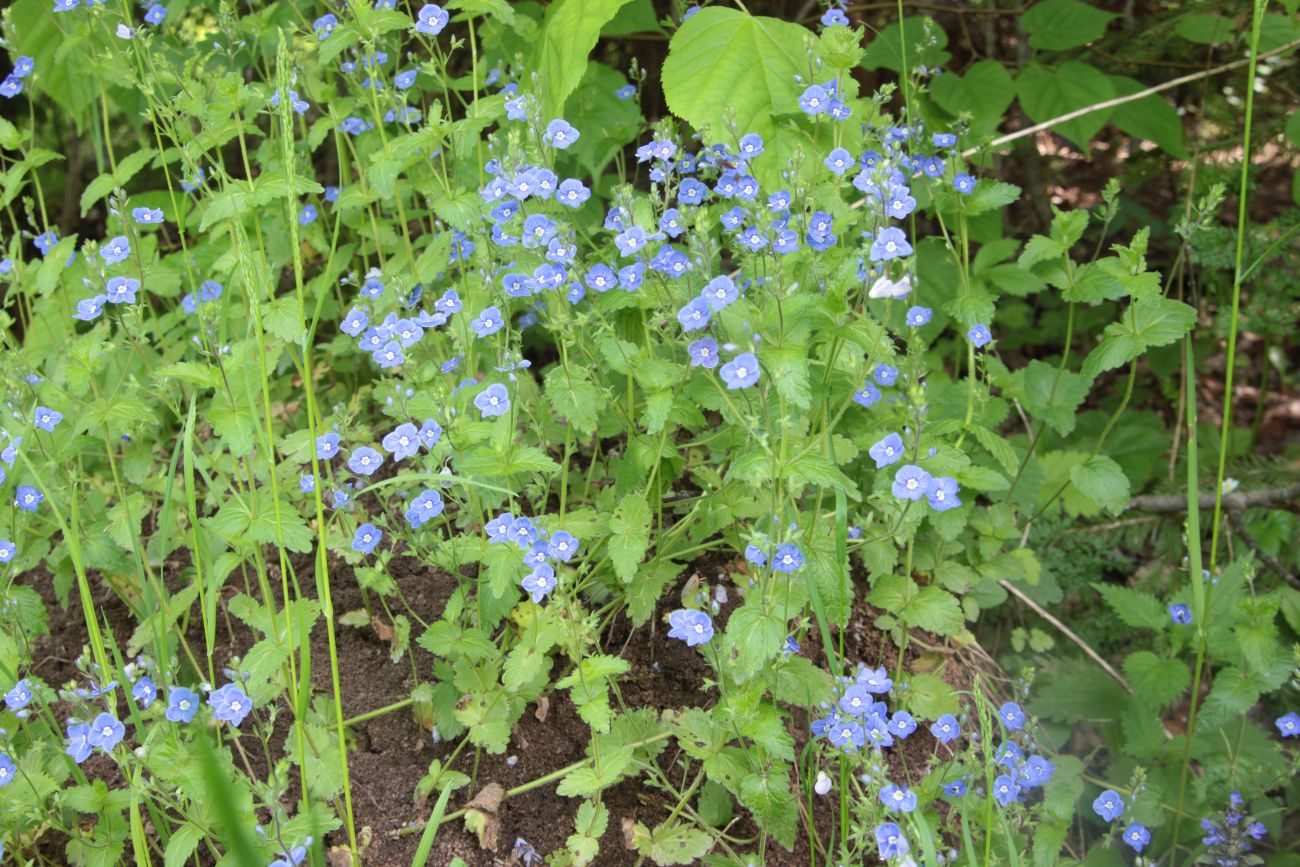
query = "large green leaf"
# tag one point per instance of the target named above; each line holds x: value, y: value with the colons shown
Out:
x: 1056, y: 25
x: 917, y: 40
x: 985, y: 90
x: 568, y: 35
x: 725, y: 60
x: 1149, y: 322
x: 1150, y: 117
x: 1046, y: 94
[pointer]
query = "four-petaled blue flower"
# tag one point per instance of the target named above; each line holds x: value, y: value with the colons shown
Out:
x: 1012, y: 716
x: 144, y: 691
x: 6, y: 772
x: 741, y: 372
x: 106, y: 732
x: 182, y: 704
x: 28, y: 498
x: 1005, y: 789
x: 887, y: 451
x: 115, y: 250
x: 890, y: 841
x: 147, y: 216
x: 1136, y: 836
x: 979, y: 335
x: 493, y: 400
x: 1288, y: 724
x: 693, y: 627
x: 230, y: 704
x: 425, y: 507
x: 703, y: 352
x: 540, y: 582
x: 366, y: 538
x: 788, y: 558
x: 560, y: 134
x: 695, y: 315
x: 1180, y: 614
x: 1109, y: 805
x: 911, y: 482
x: 489, y: 322
x: 918, y: 316
x: 432, y: 18
x: 402, y: 442
x: 46, y: 419
x: 121, y: 290
x: 895, y: 798
x: 942, y: 494
x: 562, y: 546
x: 78, y: 744
x: 891, y: 243
x: 364, y: 461
x: 946, y: 729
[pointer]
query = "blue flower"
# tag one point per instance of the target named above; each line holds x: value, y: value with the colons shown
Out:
x: 1009, y: 754
x: 846, y: 734
x: 955, y: 789
x: 488, y: 322
x: 366, y: 538
x: 887, y: 451
x: 1012, y: 716
x: 523, y: 532
x: 572, y: 193
x: 1288, y: 724
x: 979, y: 335
x: 1109, y: 805
x: 46, y: 419
x: 890, y: 841
x: 1037, y: 771
x: 943, y: 494
x: 835, y: 17
x: 891, y: 243
x: 89, y: 309
x: 755, y: 555
x: 364, y: 461
x: 23, y: 67
x: 720, y: 292
x: 8, y: 550
x: 403, y: 441
x: 946, y: 729
x: 1136, y: 836
x: 875, y: 680
x: 562, y: 546
x: 325, y: 25
x: 631, y: 240
x: 144, y: 691
x: 389, y: 355
x: 560, y: 134
x: 884, y: 374
x: 430, y: 432
x: 147, y: 216
x: 943, y: 139
x: 839, y: 161
x: 895, y: 798
x: 693, y: 627
x: 306, y: 483
x: 6, y: 772
x: 902, y: 724
x: 788, y: 558
x: 28, y: 498
x: 814, y: 100
x: 121, y: 290
x: 230, y: 704
x: 19, y: 697
x: 106, y: 732
x: 867, y: 395
x: 499, y: 527
x: 493, y: 400
x: 1180, y: 614
x: 918, y: 316
x: 115, y: 250
x: 626, y: 92
x: 425, y: 507
x: 540, y: 582
x: 899, y: 203
x: 911, y: 482
x: 78, y: 744
x: 327, y: 446
x: 695, y: 315
x: 1005, y: 789
x: 155, y: 15
x: 11, y: 86
x: 308, y: 215
x: 432, y: 19
x: 963, y: 183
x: 741, y: 372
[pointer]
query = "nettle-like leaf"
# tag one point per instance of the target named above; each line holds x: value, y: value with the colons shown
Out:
x: 1147, y: 323
x: 675, y: 843
x: 930, y: 608
x: 629, y: 538
x: 568, y: 34
x: 1103, y: 482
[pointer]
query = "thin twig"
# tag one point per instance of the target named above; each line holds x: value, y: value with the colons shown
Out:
x: 1067, y: 632
x: 1239, y: 527
x: 1287, y: 498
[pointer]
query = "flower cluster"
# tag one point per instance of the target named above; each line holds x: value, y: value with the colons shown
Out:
x: 542, y: 551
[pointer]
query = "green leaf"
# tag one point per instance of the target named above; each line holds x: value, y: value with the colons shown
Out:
x: 569, y: 33
x: 1103, y: 482
x: 629, y: 535
x: 184, y: 840
x: 1148, y: 323
x: 724, y: 60
x: 1053, y: 395
x: 768, y: 797
x: 1206, y: 28
x: 929, y: 696
x: 1134, y: 607
x: 757, y: 634
x: 985, y: 90
x: 990, y: 195
x: 1150, y: 118
x: 575, y: 397
x: 1046, y: 94
x: 1155, y: 681
x: 1057, y: 25
x: 918, y: 40
x: 677, y: 843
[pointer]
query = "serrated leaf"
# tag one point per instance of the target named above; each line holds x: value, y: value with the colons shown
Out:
x: 1103, y: 482
x: 572, y: 395
x: 1147, y: 323
x: 1134, y: 607
x: 569, y: 32
x: 1156, y: 682
x: 629, y: 538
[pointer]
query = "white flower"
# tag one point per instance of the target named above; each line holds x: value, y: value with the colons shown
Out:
x: 886, y: 288
x: 823, y: 784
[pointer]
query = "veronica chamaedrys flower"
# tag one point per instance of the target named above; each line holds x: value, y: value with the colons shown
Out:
x: 325, y: 25
x: 887, y: 451
x: 814, y: 100
x: 307, y: 483
x: 1036, y: 771
x: 720, y: 292
x: 560, y: 134
x: 28, y: 498
x: 307, y: 215
x: 911, y: 482
x: 875, y: 680
x: 1005, y: 789
x: 572, y: 193
x: 8, y: 550
x: 1012, y: 716
x: 430, y: 432
x: 487, y: 323
x: 755, y: 555
x: 89, y: 309
x: 539, y: 583
x: 884, y: 374
x: 946, y: 729
x: 846, y: 734
x: 147, y: 216
x: 403, y: 441
x: 77, y: 745
x: 20, y: 696
x: 631, y: 240
x: 1288, y: 724
x: 856, y: 700
x: 918, y: 316
x: 788, y: 558
x: 46, y: 419
x: 1136, y: 836
x: 890, y: 243
x: 366, y: 538
x: 703, y: 352
x: 1109, y: 805
x: 106, y: 732
x: 121, y: 290
x: 432, y: 19
x: 693, y: 627
x: 867, y: 395
x: 425, y: 507
x: 741, y: 372
x: 942, y: 494
x: 182, y: 704
x: 562, y: 546
x: 11, y: 86
x: 230, y: 704
x: 327, y: 446
x: 493, y: 400
x: 6, y: 773
x: 695, y: 315
x: 963, y: 183
x: 896, y: 798
x: 1180, y: 614
x: 115, y: 250
x: 364, y: 461
x: 389, y: 355
x: 890, y: 841
x: 979, y: 335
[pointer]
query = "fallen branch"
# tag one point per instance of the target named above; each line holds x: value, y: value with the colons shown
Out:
x: 1287, y: 498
